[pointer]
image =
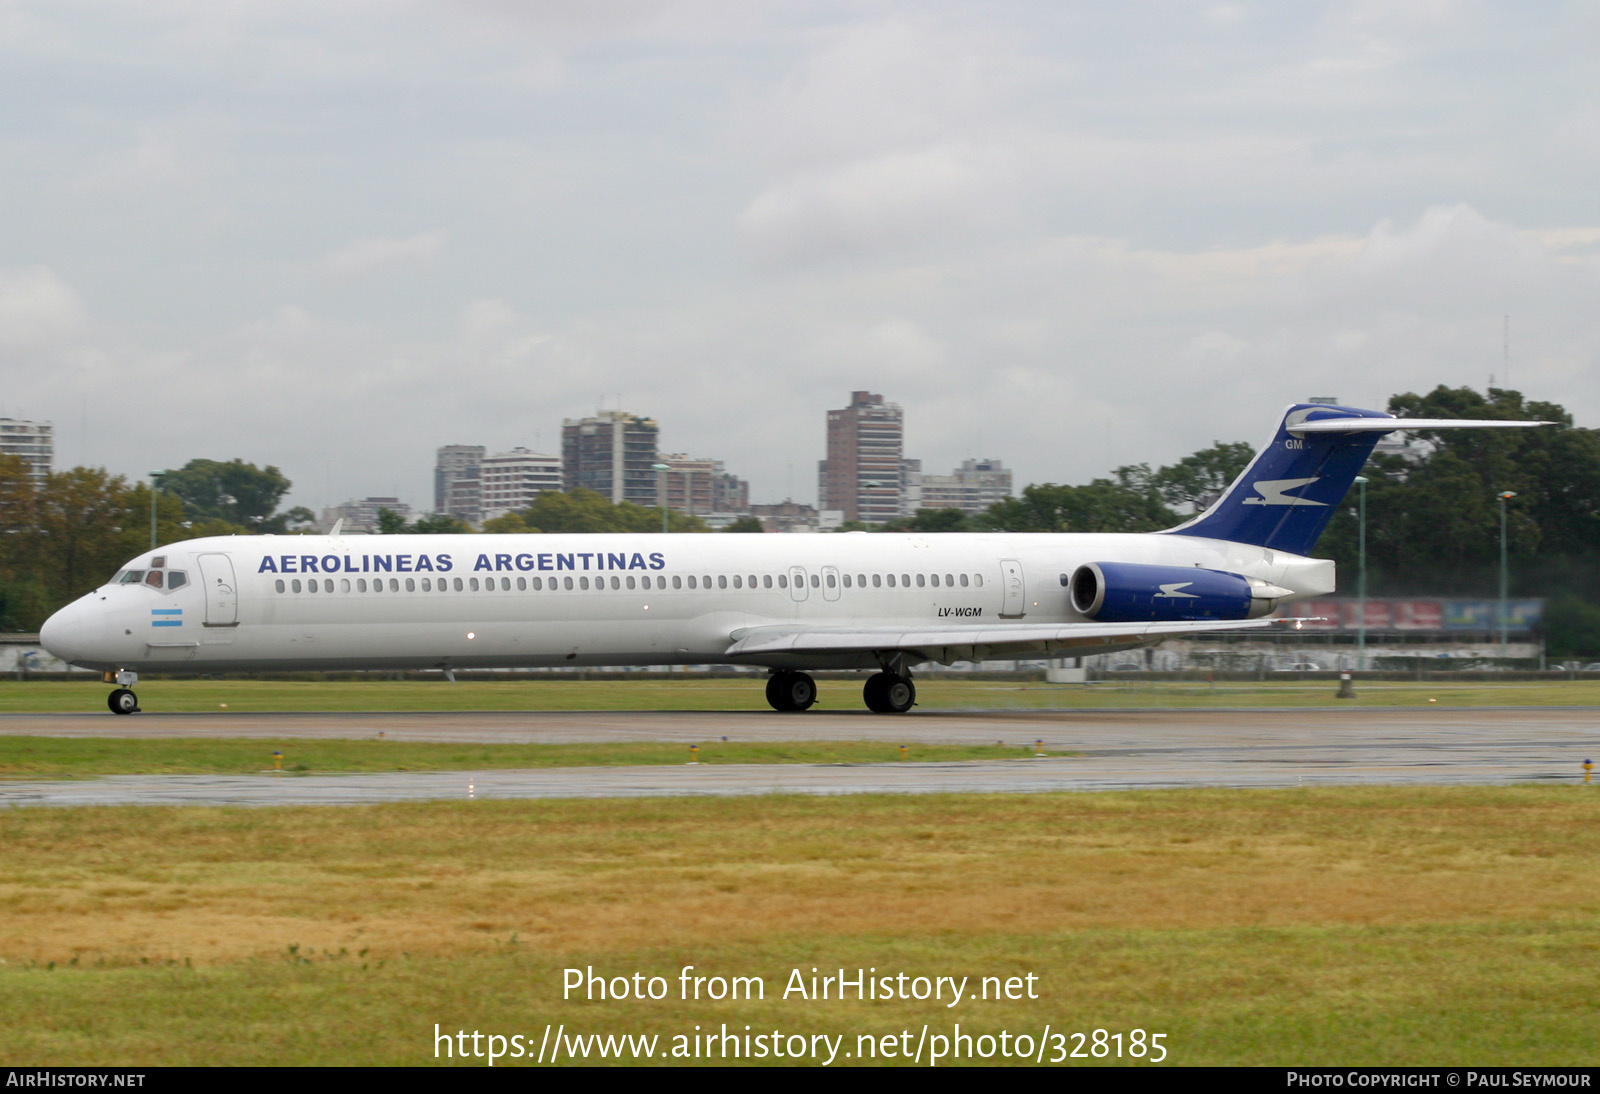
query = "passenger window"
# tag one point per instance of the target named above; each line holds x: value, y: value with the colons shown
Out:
x: 877, y: 581
x: 905, y: 580
x: 295, y: 585
x: 630, y: 580
x: 279, y: 584
x: 935, y: 580
x: 691, y: 581
x: 522, y: 584
x: 920, y: 582
x: 963, y: 581
x: 616, y: 582
x: 472, y: 583
x: 766, y: 581
x: 411, y: 585
x: 707, y: 581
x: 891, y: 581
x: 344, y: 584
x: 722, y: 581
x: 583, y: 583
x: 949, y: 580
x: 427, y: 586
x: 394, y: 584
x: 311, y: 585
x: 977, y: 579
x: 783, y: 581
x: 538, y: 584
x: 677, y: 582
x: 738, y: 582
x: 568, y: 583
x: 846, y: 581
x: 458, y: 585
x: 831, y: 582
x: 815, y: 582
x: 861, y: 580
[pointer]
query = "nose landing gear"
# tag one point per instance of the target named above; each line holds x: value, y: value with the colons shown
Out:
x: 123, y: 700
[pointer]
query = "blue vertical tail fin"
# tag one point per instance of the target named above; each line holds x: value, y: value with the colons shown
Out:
x: 1290, y: 491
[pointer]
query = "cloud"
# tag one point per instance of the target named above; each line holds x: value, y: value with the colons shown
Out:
x: 366, y: 256
x: 38, y: 310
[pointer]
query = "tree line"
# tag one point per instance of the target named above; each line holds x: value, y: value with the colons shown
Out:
x: 1432, y: 514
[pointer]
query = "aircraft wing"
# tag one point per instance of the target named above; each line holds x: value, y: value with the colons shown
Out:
x: 972, y: 643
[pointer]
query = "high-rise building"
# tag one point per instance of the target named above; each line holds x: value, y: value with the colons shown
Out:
x: 510, y: 481
x: 700, y: 487
x: 864, y: 474
x: 613, y: 454
x: 452, y: 463
x: 971, y: 488
x: 34, y: 442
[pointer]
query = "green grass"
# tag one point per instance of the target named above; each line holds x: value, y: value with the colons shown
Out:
x: 243, y: 695
x: 1337, y: 926
x: 77, y: 757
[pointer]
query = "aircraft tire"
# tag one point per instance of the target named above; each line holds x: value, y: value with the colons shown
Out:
x: 791, y: 691
x: 872, y: 693
x: 122, y: 701
x: 899, y: 694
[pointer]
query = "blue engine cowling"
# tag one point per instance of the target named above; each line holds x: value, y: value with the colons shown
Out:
x: 1128, y: 592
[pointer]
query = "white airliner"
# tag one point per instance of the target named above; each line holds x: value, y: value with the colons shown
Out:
x: 785, y: 602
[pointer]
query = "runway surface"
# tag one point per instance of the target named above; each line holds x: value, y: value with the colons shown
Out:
x: 1115, y: 749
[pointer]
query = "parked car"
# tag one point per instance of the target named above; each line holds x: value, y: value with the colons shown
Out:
x: 1299, y: 666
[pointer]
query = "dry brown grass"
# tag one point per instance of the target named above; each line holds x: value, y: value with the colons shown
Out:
x: 220, y: 885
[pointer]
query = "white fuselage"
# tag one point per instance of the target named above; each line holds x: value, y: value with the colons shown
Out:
x: 254, y: 603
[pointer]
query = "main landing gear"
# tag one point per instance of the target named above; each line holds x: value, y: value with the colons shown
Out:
x: 791, y: 691
x: 123, y: 700
x: 884, y: 693
x: 889, y: 693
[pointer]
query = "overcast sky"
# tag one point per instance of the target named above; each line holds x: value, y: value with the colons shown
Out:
x: 333, y: 236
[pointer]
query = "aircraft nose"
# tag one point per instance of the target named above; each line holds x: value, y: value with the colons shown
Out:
x: 62, y: 633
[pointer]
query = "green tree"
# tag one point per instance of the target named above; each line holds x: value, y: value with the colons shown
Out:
x: 745, y: 524
x: 582, y: 510
x: 930, y: 520
x: 1198, y: 480
x: 1130, y: 501
x: 238, y: 492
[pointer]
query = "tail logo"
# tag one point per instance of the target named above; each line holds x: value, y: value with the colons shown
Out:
x: 1171, y: 591
x: 1272, y: 492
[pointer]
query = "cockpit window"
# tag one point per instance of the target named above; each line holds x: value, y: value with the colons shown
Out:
x: 129, y: 577
x: 159, y: 562
x: 177, y: 579
x: 153, y: 579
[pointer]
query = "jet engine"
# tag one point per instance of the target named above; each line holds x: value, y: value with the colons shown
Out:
x: 1127, y: 592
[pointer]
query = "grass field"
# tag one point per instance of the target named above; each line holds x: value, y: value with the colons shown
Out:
x: 747, y: 694
x: 81, y: 757
x: 1337, y: 926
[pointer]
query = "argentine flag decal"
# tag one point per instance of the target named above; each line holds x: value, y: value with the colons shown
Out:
x: 166, y: 617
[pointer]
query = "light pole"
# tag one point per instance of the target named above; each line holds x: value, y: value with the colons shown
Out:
x: 661, y: 470
x: 1504, y: 496
x: 1361, y: 579
x: 155, y: 489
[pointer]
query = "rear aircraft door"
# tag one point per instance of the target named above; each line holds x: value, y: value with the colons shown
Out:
x: 222, y: 596
x: 1014, y: 606
x: 797, y: 582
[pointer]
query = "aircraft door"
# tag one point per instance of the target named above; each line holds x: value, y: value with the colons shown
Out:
x: 1014, y: 606
x: 830, y: 583
x: 222, y: 596
x: 797, y: 582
